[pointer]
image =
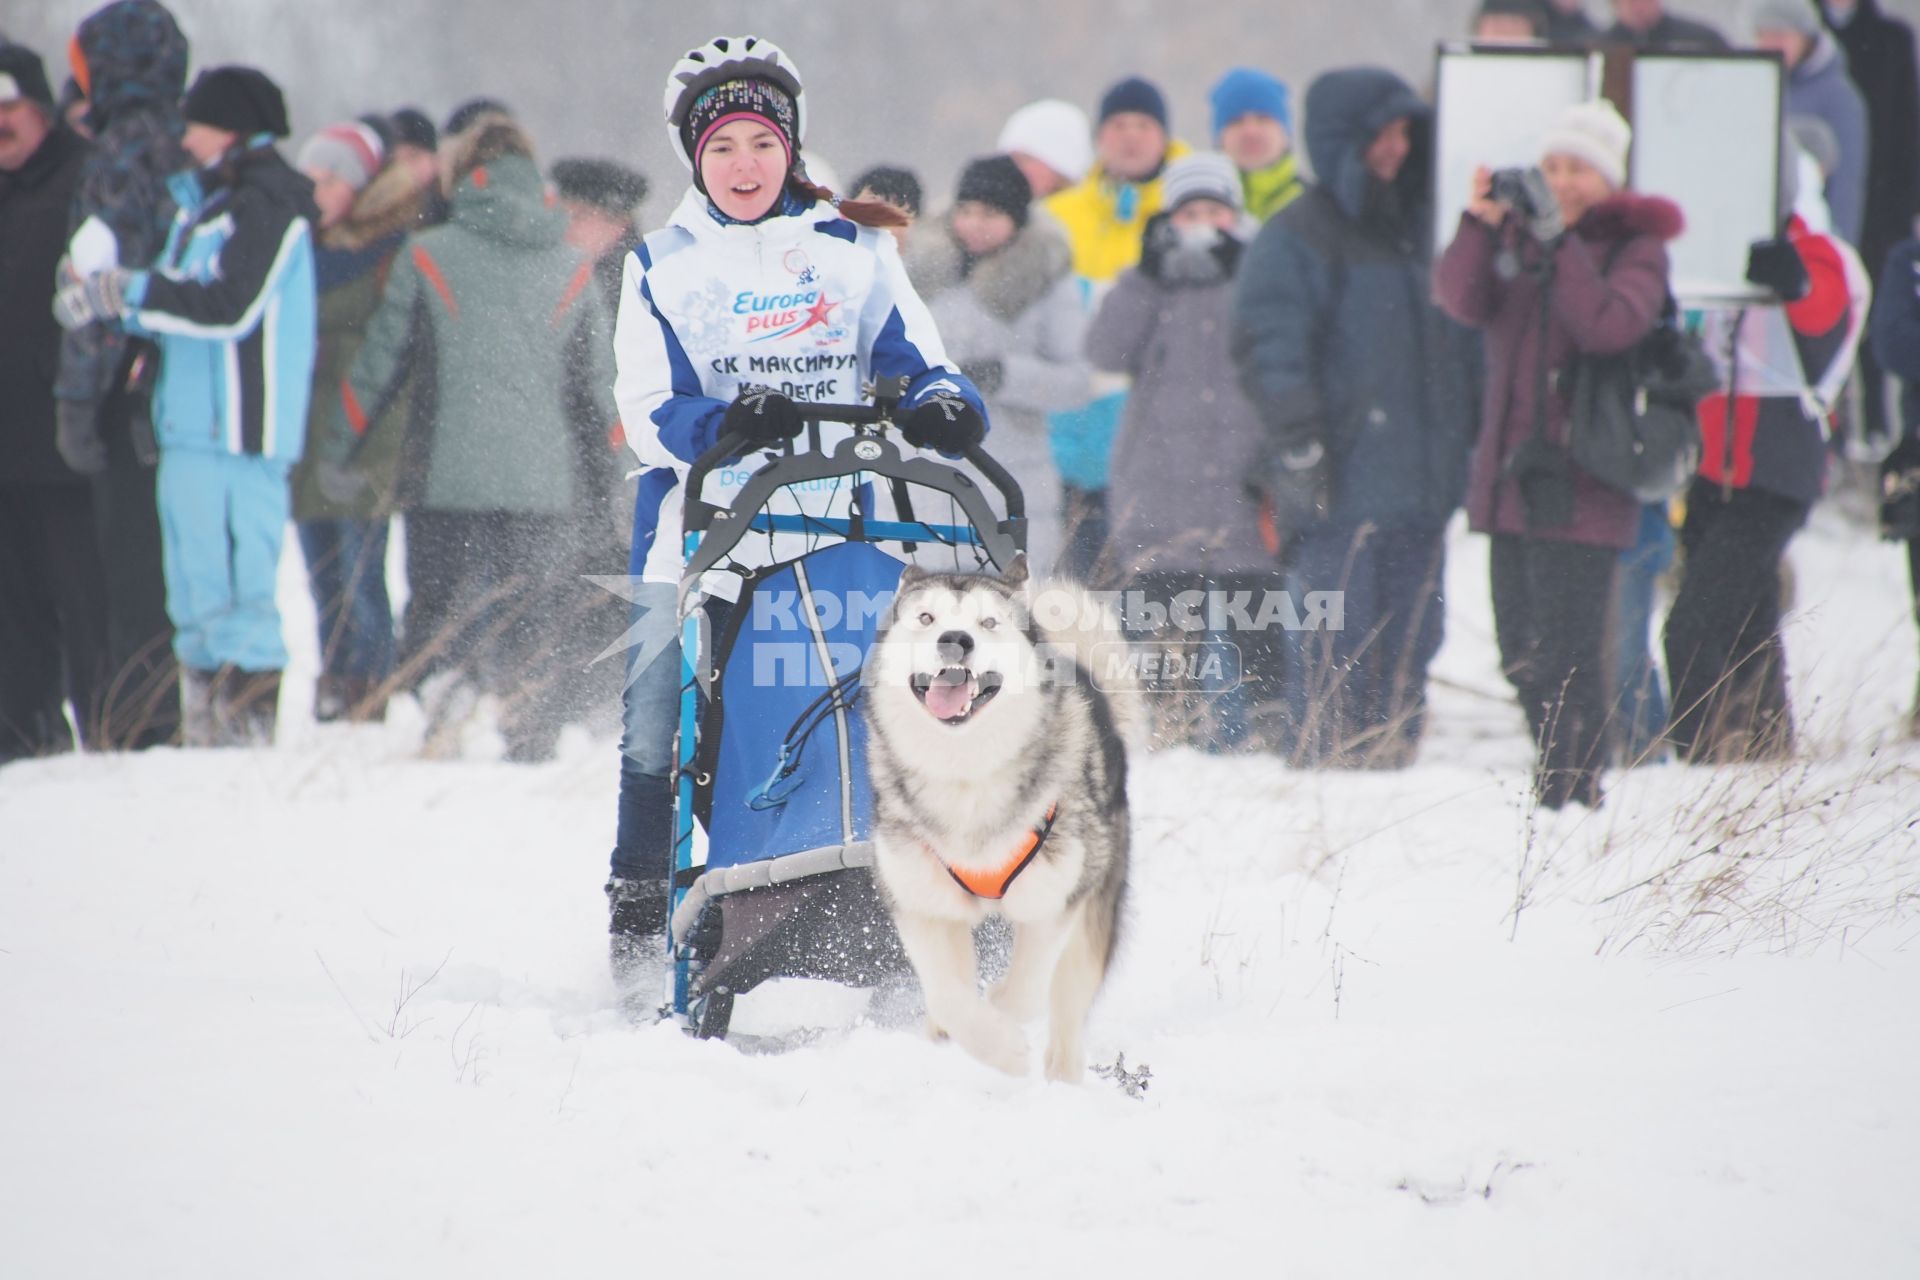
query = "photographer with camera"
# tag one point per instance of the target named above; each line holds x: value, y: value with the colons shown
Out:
x: 1554, y: 264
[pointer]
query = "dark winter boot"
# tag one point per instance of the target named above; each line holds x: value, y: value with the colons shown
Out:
x: 366, y: 700
x: 247, y: 707
x: 636, y: 929
x: 197, y: 724
x: 1557, y: 788
x: 332, y: 698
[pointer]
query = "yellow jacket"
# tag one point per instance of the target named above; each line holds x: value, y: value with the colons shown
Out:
x: 1104, y: 219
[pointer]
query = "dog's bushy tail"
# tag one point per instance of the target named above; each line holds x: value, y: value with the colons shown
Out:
x: 1080, y: 624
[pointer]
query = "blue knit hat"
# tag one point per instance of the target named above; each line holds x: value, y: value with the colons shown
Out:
x: 1134, y: 94
x: 1242, y: 90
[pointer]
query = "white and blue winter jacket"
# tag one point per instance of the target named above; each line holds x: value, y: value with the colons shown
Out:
x: 806, y: 303
x: 231, y: 301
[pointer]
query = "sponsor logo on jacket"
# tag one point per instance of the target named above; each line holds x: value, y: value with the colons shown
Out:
x: 772, y: 317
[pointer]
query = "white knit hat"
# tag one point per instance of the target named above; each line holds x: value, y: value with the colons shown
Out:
x: 1594, y: 132
x: 1057, y: 134
x: 1201, y: 175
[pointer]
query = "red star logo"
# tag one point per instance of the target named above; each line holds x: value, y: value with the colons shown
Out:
x: 819, y: 311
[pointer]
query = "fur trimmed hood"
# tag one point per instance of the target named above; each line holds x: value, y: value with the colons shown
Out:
x: 390, y: 203
x: 1009, y: 281
x: 1627, y: 213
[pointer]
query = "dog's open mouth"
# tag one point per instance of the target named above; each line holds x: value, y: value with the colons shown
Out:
x: 953, y: 694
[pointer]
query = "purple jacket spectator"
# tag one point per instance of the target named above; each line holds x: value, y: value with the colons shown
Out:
x: 1593, y: 312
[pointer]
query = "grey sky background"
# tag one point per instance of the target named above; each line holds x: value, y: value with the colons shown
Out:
x: 912, y: 81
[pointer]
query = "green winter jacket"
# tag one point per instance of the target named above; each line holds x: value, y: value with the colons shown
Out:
x: 509, y: 337
x: 1273, y: 188
x: 361, y: 247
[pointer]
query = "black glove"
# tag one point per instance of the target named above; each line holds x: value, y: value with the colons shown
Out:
x: 762, y: 417
x: 1776, y: 265
x: 76, y: 435
x: 1159, y: 236
x: 1904, y: 458
x: 1300, y: 483
x: 1227, y: 251
x: 986, y: 375
x: 945, y: 422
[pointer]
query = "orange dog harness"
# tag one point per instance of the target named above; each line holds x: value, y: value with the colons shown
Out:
x: 995, y: 883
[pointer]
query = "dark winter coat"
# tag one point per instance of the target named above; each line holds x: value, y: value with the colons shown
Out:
x: 1568, y: 28
x: 1896, y: 328
x: 1177, y: 497
x: 1334, y: 334
x: 351, y: 264
x: 33, y: 235
x: 231, y: 303
x: 1820, y: 87
x: 609, y: 269
x: 137, y: 66
x: 1881, y: 60
x: 601, y: 454
x: 1670, y: 34
x: 1596, y: 309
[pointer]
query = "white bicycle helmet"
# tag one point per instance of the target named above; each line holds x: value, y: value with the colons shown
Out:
x: 729, y: 58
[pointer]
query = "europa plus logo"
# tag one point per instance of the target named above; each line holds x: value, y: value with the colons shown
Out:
x: 774, y: 316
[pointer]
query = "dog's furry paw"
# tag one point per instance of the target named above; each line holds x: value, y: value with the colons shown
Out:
x: 997, y: 1041
x: 1066, y: 1059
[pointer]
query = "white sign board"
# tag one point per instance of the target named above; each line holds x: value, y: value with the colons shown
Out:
x: 1495, y: 107
x: 1707, y: 136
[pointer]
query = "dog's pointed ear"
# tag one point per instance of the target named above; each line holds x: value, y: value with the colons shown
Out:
x: 1017, y: 572
x: 913, y: 575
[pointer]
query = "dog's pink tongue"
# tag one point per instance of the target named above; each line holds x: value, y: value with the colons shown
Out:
x: 947, y: 696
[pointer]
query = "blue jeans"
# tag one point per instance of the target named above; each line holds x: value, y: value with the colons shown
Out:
x: 650, y: 712
x: 223, y: 518
x: 1642, y: 712
x: 1356, y: 695
x: 347, y: 575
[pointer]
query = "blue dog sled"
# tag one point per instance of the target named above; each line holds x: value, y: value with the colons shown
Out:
x: 772, y: 849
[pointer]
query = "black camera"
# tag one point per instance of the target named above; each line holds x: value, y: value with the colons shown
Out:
x: 1514, y: 188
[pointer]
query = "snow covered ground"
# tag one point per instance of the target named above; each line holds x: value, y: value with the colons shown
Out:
x: 332, y: 1010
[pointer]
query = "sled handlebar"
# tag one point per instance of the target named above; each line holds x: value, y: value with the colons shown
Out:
x: 867, y: 451
x: 886, y: 402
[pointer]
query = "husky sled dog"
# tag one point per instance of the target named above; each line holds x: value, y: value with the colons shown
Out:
x: 1000, y: 788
